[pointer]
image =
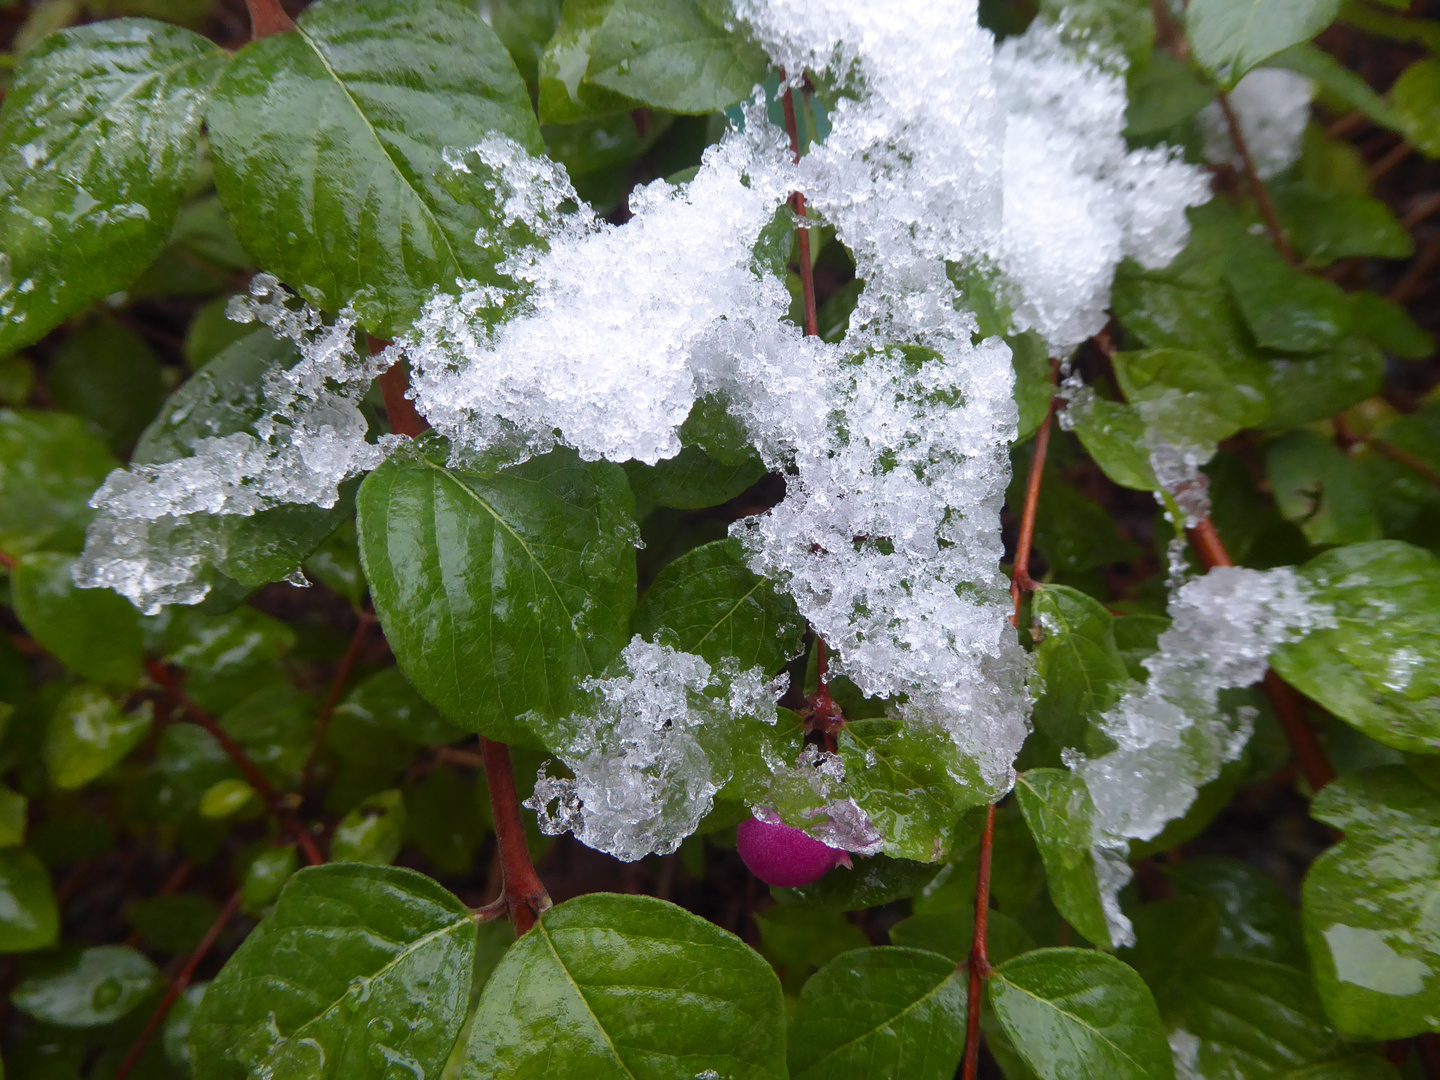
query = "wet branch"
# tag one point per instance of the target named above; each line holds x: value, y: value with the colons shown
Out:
x: 268, y: 17
x: 522, y: 892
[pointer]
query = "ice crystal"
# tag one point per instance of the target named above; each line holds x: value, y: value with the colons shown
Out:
x: 811, y: 794
x: 1171, y: 733
x: 1273, y: 107
x: 154, y: 535
x: 651, y: 754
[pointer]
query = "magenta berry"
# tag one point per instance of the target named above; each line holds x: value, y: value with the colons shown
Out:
x: 784, y: 856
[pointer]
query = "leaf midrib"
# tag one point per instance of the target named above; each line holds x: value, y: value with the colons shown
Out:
x: 550, y: 944
x: 1079, y: 1021
x: 379, y: 143
x: 889, y: 1021
x: 729, y: 614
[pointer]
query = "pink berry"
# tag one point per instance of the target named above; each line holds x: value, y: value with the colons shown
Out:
x: 785, y: 857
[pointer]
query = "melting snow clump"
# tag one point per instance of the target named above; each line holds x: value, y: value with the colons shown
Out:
x: 1171, y: 733
x: 1273, y: 107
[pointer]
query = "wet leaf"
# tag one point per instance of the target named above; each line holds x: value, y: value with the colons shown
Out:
x: 1232, y: 36
x: 50, y: 465
x: 878, y: 1013
x: 615, y: 987
x: 359, y: 970
x: 28, y: 915
x: 88, y: 988
x: 88, y: 733
x: 94, y: 632
x: 372, y: 832
x: 1058, y: 810
x: 1079, y: 670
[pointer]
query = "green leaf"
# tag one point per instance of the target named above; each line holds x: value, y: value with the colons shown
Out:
x: 265, y: 877
x: 94, y: 632
x: 1379, y: 668
x: 88, y: 734
x: 174, y: 924
x: 442, y: 819
x: 211, y: 332
x: 1303, y: 390
x: 99, y: 132
x: 608, y: 55
x: 1058, y: 809
x: 227, y: 798
x: 1286, y: 309
x: 1126, y: 25
x: 1232, y: 36
x: 109, y: 376
x: 797, y: 940
x: 13, y: 817
x: 715, y: 607
x: 871, y: 883
x: 372, y: 832
x: 29, y: 918
x: 1416, y: 98
x: 1368, y: 903
x: 50, y: 465
x: 1320, y: 488
x: 1075, y: 1015
x: 359, y: 970
x: 223, y: 398
x: 879, y: 1013
x: 1163, y: 93
x: 1254, y: 916
x: 1185, y: 397
x: 223, y: 644
x: 1079, y: 670
x: 692, y: 479
x: 913, y: 783
x: 617, y: 987
x: 88, y: 988
x: 1073, y: 532
x: 1114, y: 435
x: 1344, y: 85
x: 328, y: 141
x: 387, y: 700
x: 1389, y: 325
x: 499, y: 592
x: 524, y: 26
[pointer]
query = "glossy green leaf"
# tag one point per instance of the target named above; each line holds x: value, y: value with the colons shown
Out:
x: 88, y: 988
x: 500, y: 592
x: 1416, y: 97
x: 1075, y: 1015
x: 879, y: 1013
x: 1368, y: 905
x: 1185, y: 397
x: 274, y: 725
x: 1326, y: 224
x: 524, y: 27
x: 372, y: 832
x: 1384, y: 322
x: 1058, y: 809
x: 88, y: 733
x: 1114, y: 435
x: 913, y: 783
x: 359, y: 970
x: 443, y: 819
x: 797, y: 940
x: 1338, y: 82
x: 712, y: 605
x: 1406, y: 500
x: 870, y: 883
x: 1073, y: 532
x: 94, y: 632
x: 387, y: 700
x: 1379, y: 668
x: 692, y: 479
x: 29, y: 918
x: 225, y: 798
x: 622, y: 987
x: 1163, y: 93
x: 211, y: 332
x: 223, y: 644
x: 328, y: 142
x: 97, y: 142
x: 1079, y: 670
x: 1232, y: 36
x: 50, y: 465
x: 608, y: 55
x: 1286, y: 309
x: 1320, y: 488
x: 1303, y: 390
x: 265, y: 877
x: 1254, y: 918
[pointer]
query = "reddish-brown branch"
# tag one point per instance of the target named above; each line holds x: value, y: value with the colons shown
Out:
x: 523, y: 893
x: 1309, y: 754
x: 268, y: 17
x: 979, y: 958
x: 337, y: 687
x: 1398, y: 153
x: 1404, y: 457
x: 253, y: 776
x: 1257, y: 186
x: 1415, y: 274
x: 178, y: 985
x: 8, y: 561
x: 399, y: 409
x: 802, y: 232
x: 1020, y: 579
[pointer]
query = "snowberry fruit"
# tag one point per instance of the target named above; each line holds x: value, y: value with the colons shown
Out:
x: 785, y: 857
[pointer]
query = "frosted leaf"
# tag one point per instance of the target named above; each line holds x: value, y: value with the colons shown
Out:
x: 650, y: 756
x: 1171, y: 733
x: 155, y: 534
x: 810, y: 794
x: 1273, y: 107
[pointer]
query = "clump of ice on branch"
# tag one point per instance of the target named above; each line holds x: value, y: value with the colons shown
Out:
x: 650, y: 756
x: 1171, y: 734
x: 1273, y: 107
x: 148, y: 542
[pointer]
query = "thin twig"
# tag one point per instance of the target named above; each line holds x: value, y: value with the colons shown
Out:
x: 1420, y: 211
x: 1284, y: 699
x: 1414, y: 276
x: 178, y: 985
x: 979, y: 957
x: 1398, y: 153
x: 337, y: 687
x: 1403, y: 457
x: 522, y: 891
x: 268, y: 17
x: 802, y: 232
x: 1020, y: 579
x: 1257, y: 186
x: 253, y: 776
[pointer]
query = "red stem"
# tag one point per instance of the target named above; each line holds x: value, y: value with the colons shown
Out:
x: 979, y: 959
x: 802, y: 232
x: 253, y: 776
x: 177, y: 987
x: 322, y: 723
x: 522, y: 891
x: 1020, y: 579
x: 1257, y: 186
x: 399, y: 409
x: 1284, y: 699
x: 268, y: 17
